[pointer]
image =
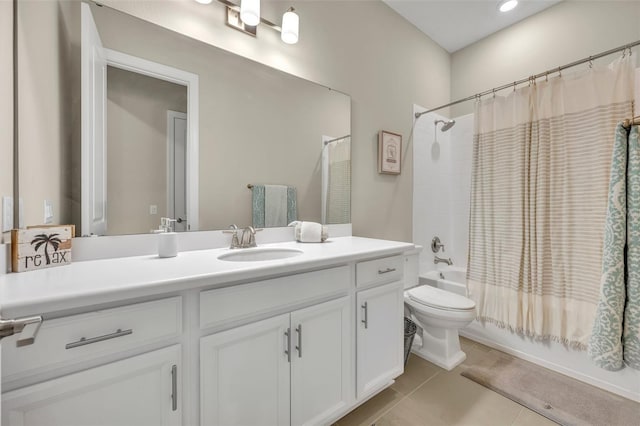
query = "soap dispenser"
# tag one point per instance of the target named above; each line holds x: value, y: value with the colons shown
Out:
x: 167, y: 238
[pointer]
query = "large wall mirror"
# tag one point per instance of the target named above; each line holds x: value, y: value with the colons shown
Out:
x: 180, y: 128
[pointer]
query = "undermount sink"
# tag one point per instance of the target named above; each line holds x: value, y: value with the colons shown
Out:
x: 260, y: 254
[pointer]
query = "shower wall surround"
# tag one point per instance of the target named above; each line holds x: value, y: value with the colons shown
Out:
x: 441, y: 187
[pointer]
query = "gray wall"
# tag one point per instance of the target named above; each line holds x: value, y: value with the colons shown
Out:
x: 49, y: 80
x: 6, y: 105
x: 566, y: 32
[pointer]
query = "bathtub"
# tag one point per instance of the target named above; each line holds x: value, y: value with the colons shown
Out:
x: 451, y: 279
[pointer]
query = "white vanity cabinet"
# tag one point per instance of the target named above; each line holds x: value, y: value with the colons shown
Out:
x: 290, y: 369
x: 379, y: 324
x: 140, y: 390
x: 193, y: 340
x: 320, y: 362
x: 131, y: 383
x: 245, y: 375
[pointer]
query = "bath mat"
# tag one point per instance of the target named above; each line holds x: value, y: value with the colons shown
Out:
x: 559, y: 398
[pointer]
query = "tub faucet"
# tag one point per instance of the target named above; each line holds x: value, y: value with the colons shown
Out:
x: 437, y: 260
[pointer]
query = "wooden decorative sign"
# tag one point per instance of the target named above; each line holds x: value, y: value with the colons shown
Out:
x: 41, y: 247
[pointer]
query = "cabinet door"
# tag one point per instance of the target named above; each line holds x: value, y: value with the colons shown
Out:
x: 244, y: 377
x: 321, y: 363
x: 135, y: 391
x: 380, y: 334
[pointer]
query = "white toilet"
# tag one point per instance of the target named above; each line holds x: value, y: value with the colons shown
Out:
x: 440, y: 314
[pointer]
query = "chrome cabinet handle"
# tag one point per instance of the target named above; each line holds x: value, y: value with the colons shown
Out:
x: 84, y: 341
x: 287, y: 335
x: 299, y: 347
x: 365, y: 321
x: 174, y: 387
x: 386, y: 271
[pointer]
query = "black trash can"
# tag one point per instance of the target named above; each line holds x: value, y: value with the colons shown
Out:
x: 409, y: 333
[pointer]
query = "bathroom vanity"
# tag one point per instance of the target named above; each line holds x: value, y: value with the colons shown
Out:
x: 198, y: 340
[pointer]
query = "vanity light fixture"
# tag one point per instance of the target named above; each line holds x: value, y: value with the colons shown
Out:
x: 507, y: 5
x: 204, y: 1
x: 250, y: 12
x: 290, y: 26
x: 289, y: 32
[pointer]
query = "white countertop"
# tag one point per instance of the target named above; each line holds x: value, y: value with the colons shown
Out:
x: 95, y: 282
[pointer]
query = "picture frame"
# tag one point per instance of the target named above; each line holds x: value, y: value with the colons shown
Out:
x: 389, y: 153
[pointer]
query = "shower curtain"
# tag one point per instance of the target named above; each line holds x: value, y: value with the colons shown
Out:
x: 615, y: 340
x: 538, y: 201
x: 338, y: 192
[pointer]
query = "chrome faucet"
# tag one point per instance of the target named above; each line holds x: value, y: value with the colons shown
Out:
x: 250, y: 240
x: 247, y: 240
x: 233, y: 230
x: 437, y: 260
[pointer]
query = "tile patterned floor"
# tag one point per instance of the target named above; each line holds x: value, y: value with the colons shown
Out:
x: 429, y: 395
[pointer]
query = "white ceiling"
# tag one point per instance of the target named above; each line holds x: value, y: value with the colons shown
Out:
x: 454, y: 24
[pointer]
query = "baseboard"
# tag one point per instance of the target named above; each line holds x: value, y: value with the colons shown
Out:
x: 360, y: 402
x: 524, y: 352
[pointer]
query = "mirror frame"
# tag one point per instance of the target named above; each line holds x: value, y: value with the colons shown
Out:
x: 16, y: 145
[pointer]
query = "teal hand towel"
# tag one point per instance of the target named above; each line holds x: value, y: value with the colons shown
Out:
x: 257, y: 206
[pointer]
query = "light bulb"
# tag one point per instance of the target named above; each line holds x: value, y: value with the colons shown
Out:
x: 204, y: 1
x: 250, y: 12
x: 507, y: 5
x: 290, y: 27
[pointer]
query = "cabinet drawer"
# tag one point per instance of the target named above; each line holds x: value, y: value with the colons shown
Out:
x: 379, y: 271
x: 77, y: 338
x: 251, y: 300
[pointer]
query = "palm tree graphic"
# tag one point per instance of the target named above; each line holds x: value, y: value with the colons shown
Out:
x: 45, y: 239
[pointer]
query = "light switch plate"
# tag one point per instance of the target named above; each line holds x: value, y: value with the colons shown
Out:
x: 153, y: 209
x: 48, y: 212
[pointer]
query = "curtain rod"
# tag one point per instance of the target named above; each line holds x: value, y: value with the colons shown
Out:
x: 534, y: 77
x: 631, y: 121
x: 336, y: 139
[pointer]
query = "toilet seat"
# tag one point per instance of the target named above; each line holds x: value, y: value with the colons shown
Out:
x: 439, y: 299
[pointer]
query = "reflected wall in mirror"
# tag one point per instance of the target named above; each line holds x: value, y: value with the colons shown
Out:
x: 146, y: 134
x: 257, y: 125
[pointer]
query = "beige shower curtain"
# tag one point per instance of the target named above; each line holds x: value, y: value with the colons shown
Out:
x: 338, y: 196
x: 539, y: 196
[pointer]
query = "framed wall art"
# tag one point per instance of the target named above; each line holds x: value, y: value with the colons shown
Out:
x: 389, y: 153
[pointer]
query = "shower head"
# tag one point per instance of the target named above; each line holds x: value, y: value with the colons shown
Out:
x: 447, y: 124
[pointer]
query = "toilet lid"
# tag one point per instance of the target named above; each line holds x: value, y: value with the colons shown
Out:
x: 437, y: 298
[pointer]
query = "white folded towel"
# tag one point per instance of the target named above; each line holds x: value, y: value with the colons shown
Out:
x: 275, y: 205
x: 309, y: 232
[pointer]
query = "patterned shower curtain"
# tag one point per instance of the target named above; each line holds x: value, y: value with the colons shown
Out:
x: 615, y: 340
x: 538, y: 201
